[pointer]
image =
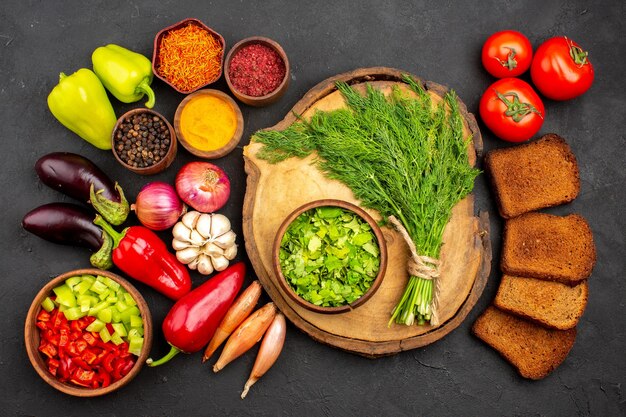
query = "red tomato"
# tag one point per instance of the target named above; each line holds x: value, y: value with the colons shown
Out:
x: 561, y: 69
x: 512, y: 110
x: 507, y: 54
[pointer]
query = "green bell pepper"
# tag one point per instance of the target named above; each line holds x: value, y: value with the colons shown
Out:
x: 126, y: 74
x: 81, y: 104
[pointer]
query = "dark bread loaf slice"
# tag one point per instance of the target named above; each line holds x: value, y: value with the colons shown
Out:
x: 534, y: 350
x: 544, y: 246
x: 533, y: 176
x: 550, y: 304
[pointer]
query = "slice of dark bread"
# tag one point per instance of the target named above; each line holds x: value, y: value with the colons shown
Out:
x: 533, y: 176
x: 533, y: 349
x: 550, y: 304
x: 544, y: 246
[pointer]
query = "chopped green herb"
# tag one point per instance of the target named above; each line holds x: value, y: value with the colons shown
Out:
x: 329, y: 256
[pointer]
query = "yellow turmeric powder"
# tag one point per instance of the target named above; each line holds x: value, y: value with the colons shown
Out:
x: 208, y: 122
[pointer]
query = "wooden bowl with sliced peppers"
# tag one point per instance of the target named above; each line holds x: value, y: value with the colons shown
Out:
x: 88, y: 332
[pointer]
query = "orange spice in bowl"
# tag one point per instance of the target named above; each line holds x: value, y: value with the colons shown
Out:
x: 188, y: 55
x: 208, y: 123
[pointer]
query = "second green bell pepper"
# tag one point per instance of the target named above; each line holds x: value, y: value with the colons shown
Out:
x: 126, y: 74
x: 81, y: 104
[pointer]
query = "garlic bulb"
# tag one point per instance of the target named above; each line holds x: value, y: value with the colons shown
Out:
x: 204, y: 241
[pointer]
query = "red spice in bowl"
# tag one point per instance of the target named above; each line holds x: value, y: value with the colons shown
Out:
x: 256, y: 70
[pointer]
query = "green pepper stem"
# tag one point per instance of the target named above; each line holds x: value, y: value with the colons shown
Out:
x: 173, y: 352
x: 62, y: 76
x: 115, y: 235
x: 144, y: 87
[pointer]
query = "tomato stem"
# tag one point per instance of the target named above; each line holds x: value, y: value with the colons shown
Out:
x: 511, y: 62
x: 516, y: 109
x: 577, y: 54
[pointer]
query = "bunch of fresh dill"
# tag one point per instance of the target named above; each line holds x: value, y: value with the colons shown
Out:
x: 400, y: 155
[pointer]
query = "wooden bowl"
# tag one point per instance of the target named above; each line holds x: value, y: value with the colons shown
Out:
x: 232, y: 142
x: 31, y: 335
x: 157, y: 45
x: 267, y: 99
x: 165, y: 162
x: 286, y: 287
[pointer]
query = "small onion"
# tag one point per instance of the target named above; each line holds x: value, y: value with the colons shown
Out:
x: 203, y: 186
x: 157, y: 206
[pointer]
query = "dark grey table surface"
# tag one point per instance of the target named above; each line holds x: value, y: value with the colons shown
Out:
x: 438, y: 41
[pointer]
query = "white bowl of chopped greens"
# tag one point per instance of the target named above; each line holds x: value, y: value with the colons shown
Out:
x: 329, y: 256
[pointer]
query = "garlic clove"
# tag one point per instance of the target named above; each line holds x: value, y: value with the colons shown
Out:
x: 226, y: 240
x: 197, y: 239
x: 181, y: 232
x: 180, y: 244
x: 187, y: 255
x: 203, y: 225
x: 220, y: 263
x: 219, y: 225
x: 212, y: 250
x: 230, y: 252
x: 189, y: 219
x: 193, y: 264
x: 205, y: 267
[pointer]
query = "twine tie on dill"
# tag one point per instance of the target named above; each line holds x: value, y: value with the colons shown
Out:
x: 420, y: 266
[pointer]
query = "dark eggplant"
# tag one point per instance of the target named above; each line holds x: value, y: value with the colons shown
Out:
x: 79, y: 178
x: 71, y: 224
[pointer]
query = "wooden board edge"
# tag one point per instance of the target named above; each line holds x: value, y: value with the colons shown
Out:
x: 253, y: 174
x: 365, y: 348
x: 375, y: 350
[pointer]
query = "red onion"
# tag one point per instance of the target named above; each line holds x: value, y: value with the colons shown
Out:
x: 157, y: 206
x: 203, y: 186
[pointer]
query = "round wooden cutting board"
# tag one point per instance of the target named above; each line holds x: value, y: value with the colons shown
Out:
x: 274, y: 190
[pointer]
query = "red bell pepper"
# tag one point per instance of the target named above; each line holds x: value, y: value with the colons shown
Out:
x: 43, y: 316
x: 47, y: 349
x: 89, y: 338
x: 82, y: 376
x: 75, y: 355
x: 141, y: 254
x: 53, y: 365
x: 193, y: 320
x: 89, y: 357
x: 104, y: 378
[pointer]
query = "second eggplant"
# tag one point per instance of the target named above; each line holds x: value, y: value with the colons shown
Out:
x: 71, y: 224
x: 79, y: 178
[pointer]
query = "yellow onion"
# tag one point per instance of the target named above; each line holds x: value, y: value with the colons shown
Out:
x: 270, y: 349
x: 246, y: 335
x: 158, y: 206
x: 236, y: 314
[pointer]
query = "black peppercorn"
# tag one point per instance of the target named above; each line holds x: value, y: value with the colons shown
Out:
x: 142, y: 140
